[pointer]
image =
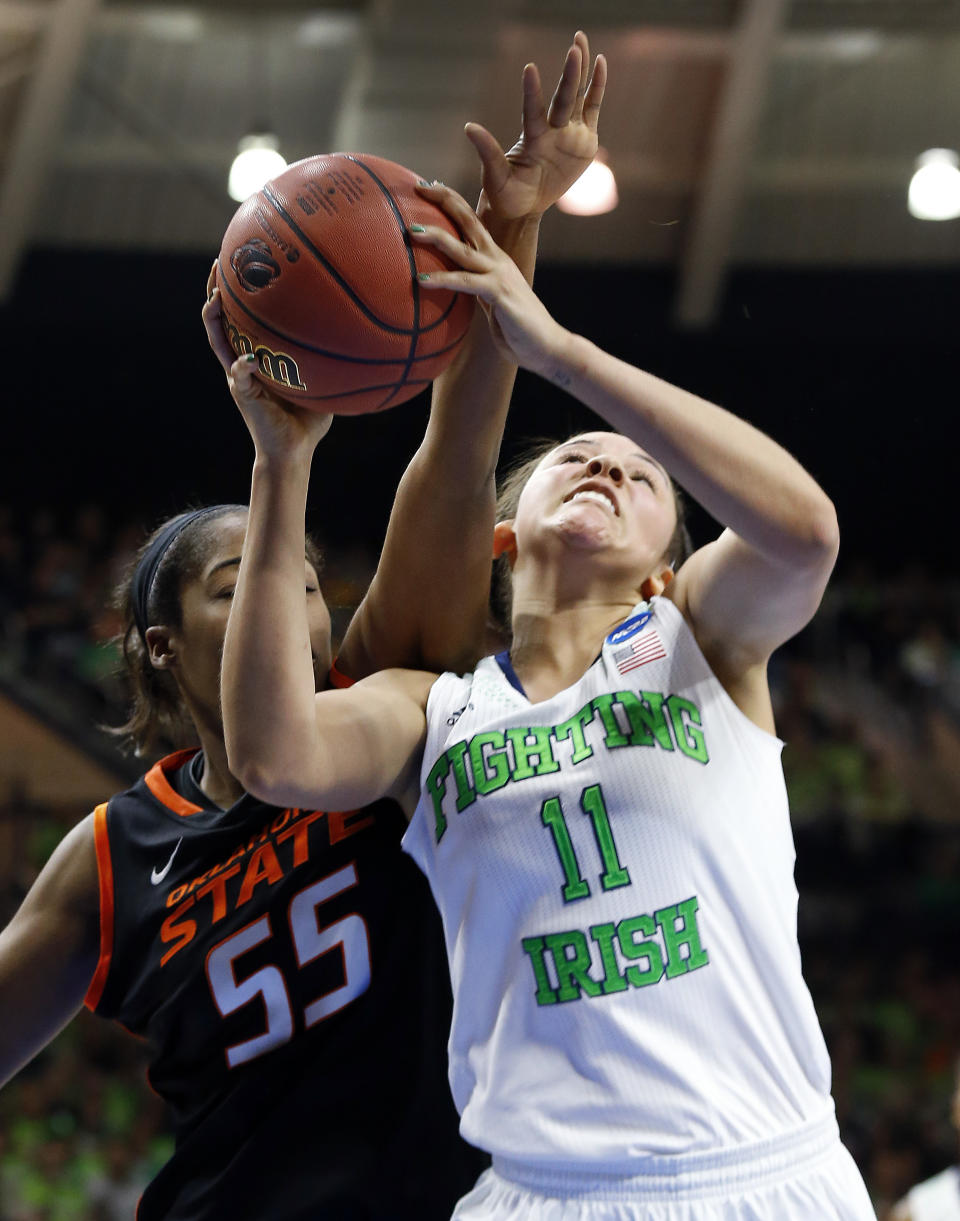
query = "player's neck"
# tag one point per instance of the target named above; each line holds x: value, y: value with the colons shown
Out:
x: 553, y: 647
x: 217, y: 783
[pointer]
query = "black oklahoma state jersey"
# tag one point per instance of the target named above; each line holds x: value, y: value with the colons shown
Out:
x: 287, y: 969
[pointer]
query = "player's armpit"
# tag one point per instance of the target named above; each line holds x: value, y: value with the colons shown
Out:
x: 49, y: 951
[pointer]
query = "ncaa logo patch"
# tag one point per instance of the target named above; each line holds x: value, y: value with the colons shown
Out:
x: 630, y: 628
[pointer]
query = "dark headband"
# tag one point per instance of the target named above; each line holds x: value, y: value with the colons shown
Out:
x: 146, y: 571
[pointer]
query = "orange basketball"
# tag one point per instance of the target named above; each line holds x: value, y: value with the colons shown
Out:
x: 318, y: 279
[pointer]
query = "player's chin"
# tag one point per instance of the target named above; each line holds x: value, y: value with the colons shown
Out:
x: 595, y: 530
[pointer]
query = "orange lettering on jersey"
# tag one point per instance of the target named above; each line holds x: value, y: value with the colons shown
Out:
x: 298, y: 830
x: 181, y: 932
x: 262, y: 838
x: 176, y: 894
x: 263, y: 866
x: 235, y: 855
x: 281, y: 821
x: 344, y: 823
x: 217, y: 887
x: 201, y: 878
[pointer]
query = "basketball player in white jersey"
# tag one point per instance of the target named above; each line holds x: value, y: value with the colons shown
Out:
x: 600, y: 811
x: 936, y: 1198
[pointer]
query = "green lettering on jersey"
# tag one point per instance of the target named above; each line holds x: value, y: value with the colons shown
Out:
x: 687, y: 936
x: 574, y: 885
x: 496, y: 758
x: 658, y: 947
x: 575, y: 730
x: 613, y: 981
x: 604, y: 705
x: 436, y: 787
x: 647, y: 720
x: 573, y: 972
x: 540, y: 749
x: 545, y: 994
x: 491, y: 771
x: 592, y: 803
x: 687, y: 732
x: 465, y: 794
x: 636, y: 950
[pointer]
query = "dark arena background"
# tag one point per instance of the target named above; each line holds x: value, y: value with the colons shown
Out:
x: 819, y: 309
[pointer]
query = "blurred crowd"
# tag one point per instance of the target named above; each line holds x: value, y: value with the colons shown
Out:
x: 868, y: 702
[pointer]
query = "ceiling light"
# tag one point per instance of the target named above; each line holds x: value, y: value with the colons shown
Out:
x: 256, y: 162
x: 934, y: 192
x: 594, y: 192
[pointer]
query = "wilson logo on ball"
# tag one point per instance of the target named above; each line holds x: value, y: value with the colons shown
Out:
x: 278, y: 367
x: 254, y: 264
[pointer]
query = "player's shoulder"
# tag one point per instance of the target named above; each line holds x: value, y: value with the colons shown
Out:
x: 70, y: 881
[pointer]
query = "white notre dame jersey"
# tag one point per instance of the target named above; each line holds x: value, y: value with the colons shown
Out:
x: 614, y: 869
x: 936, y: 1199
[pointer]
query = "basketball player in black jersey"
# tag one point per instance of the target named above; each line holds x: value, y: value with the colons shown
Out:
x: 284, y: 964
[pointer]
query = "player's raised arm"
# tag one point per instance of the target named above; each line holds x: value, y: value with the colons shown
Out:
x: 285, y: 744
x: 427, y: 604
x: 763, y: 578
x: 49, y: 951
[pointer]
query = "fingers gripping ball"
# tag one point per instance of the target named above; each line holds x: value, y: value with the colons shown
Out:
x: 318, y: 279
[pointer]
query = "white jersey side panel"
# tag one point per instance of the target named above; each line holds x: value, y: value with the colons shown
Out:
x: 936, y: 1199
x: 614, y: 869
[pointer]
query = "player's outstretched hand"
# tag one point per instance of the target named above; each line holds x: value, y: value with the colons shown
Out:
x: 278, y: 428
x: 520, y: 322
x: 556, y: 143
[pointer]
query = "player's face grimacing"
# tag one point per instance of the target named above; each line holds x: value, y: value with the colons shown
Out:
x: 600, y: 492
x: 205, y: 606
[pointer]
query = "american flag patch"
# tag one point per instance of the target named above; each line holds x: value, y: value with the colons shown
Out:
x: 646, y: 647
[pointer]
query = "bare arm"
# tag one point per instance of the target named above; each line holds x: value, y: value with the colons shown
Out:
x: 367, y: 744
x: 427, y: 604
x: 49, y: 951
x: 286, y: 744
x: 758, y: 583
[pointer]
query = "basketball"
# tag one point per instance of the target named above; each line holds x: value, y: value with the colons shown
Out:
x: 318, y: 279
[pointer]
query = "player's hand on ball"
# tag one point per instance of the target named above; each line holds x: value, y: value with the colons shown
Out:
x: 278, y: 428
x: 556, y: 143
x: 519, y: 321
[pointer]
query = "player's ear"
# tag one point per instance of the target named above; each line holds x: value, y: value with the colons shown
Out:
x: 655, y: 584
x: 160, y: 646
x: 505, y: 541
